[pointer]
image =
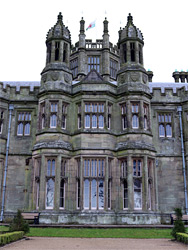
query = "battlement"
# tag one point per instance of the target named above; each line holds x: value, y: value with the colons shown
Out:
x: 89, y: 44
x: 19, y: 90
x: 166, y: 86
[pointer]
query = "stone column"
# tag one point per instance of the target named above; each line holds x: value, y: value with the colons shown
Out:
x: 130, y: 184
x: 53, y: 52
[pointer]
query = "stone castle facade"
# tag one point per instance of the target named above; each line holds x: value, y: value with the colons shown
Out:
x: 95, y: 141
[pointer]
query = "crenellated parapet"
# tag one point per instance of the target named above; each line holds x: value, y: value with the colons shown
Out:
x: 19, y: 91
x: 169, y: 92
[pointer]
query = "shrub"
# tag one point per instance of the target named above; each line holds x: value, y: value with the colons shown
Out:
x: 9, y: 237
x: 19, y: 224
x: 182, y: 237
x: 178, y: 223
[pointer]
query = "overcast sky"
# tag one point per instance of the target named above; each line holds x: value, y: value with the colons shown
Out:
x: 25, y: 23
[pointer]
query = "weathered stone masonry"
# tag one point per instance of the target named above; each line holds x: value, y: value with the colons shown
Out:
x: 95, y: 141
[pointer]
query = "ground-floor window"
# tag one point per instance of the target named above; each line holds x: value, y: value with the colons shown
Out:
x: 62, y: 194
x: 137, y: 194
x: 50, y: 186
x: 93, y: 194
x: 125, y: 194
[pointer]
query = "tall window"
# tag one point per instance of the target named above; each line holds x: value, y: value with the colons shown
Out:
x: 137, y: 181
x: 1, y: 121
x: 93, y: 63
x: 94, y: 115
x: 57, y: 45
x: 94, y: 170
x: 140, y: 54
x: 37, y: 169
x: 109, y: 116
x: 65, y: 48
x: 109, y: 182
x: 49, y: 50
x: 62, y: 182
x: 24, y: 123
x: 50, y: 183
x: 64, y: 115
x: 113, y: 68
x: 125, y: 52
x: 78, y: 183
x: 124, y: 116
x: 42, y: 116
x: 150, y: 183
x: 135, y: 115
x: 146, y: 116
x: 74, y: 67
x: 132, y: 50
x: 79, y: 116
x: 53, y: 114
x: 124, y: 175
x: 165, y: 125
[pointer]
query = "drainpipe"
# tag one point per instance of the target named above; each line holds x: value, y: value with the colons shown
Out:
x: 11, y: 108
x: 179, y: 109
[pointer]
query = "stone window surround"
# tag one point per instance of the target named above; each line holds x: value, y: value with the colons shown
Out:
x: 24, y: 118
x: 2, y: 115
x: 165, y: 122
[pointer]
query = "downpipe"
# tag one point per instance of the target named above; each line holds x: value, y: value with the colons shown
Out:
x: 179, y: 109
x: 11, y: 108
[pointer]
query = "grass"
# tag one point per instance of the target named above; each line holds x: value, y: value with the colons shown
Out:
x: 138, y: 233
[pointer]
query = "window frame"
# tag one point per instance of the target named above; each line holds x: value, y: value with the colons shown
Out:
x: 163, y: 123
x: 24, y: 118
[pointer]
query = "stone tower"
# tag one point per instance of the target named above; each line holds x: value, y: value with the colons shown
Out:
x: 131, y: 44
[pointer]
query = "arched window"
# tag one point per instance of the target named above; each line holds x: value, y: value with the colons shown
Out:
x: 125, y: 52
x: 94, y: 121
x: 125, y: 194
x: 132, y: 50
x: 101, y: 121
x: 53, y: 121
x: 87, y: 121
x: 57, y: 51
x: 62, y: 193
x: 135, y: 121
x: 20, y: 129
x: 161, y: 130
x: 65, y: 52
x: 27, y: 129
x: 168, y: 130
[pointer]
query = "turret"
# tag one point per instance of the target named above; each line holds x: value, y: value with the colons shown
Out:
x: 131, y: 44
x: 82, y: 57
x: 105, y: 54
x: 58, y: 43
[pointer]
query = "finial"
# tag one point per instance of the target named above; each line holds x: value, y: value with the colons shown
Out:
x: 130, y: 18
x: 60, y: 17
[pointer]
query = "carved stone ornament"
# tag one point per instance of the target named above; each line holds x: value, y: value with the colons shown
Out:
x: 144, y: 78
x: 134, y: 76
x: 122, y: 78
x: 44, y: 78
x: 55, y: 76
x: 67, y: 78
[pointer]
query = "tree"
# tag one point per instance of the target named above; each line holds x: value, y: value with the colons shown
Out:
x: 19, y: 224
x: 179, y: 226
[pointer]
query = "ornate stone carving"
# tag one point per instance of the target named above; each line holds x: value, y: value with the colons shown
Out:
x: 134, y: 76
x: 144, y: 78
x: 67, y: 78
x: 44, y: 78
x: 54, y: 76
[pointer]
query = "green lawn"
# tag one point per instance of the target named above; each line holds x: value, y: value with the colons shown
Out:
x: 101, y: 233
x: 139, y: 233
